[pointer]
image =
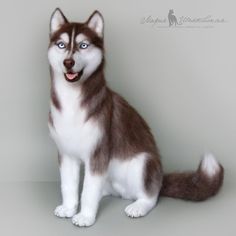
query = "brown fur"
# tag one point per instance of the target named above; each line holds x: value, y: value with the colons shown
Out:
x: 153, y: 176
x: 195, y: 186
x: 126, y: 133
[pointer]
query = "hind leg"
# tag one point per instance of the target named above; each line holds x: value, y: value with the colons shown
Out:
x: 148, y: 182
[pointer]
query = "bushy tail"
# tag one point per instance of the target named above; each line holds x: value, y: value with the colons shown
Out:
x: 195, y: 186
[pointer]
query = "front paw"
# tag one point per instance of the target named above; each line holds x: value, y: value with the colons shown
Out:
x: 83, y: 220
x: 63, y: 211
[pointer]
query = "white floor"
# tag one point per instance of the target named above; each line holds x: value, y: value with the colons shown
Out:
x: 27, y: 209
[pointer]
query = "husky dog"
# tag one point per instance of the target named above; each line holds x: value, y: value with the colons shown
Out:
x: 94, y: 126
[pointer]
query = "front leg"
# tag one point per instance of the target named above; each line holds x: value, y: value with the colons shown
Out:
x: 91, y: 195
x: 69, y: 171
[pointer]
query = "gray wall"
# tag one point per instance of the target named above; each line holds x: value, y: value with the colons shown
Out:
x: 182, y: 80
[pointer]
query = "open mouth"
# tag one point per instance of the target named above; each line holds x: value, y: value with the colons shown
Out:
x: 72, y: 77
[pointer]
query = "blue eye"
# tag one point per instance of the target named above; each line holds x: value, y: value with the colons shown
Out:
x: 61, y: 45
x: 83, y: 45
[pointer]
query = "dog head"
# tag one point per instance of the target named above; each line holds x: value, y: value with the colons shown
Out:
x: 75, y: 49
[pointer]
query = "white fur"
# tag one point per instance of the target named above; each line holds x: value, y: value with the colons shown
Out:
x: 64, y: 211
x: 125, y: 178
x: 69, y: 171
x: 65, y: 37
x: 209, y: 165
x: 81, y: 37
x: 89, y: 58
x: 91, y: 195
x: 73, y: 135
x: 128, y: 184
x: 140, y: 207
x: 56, y: 56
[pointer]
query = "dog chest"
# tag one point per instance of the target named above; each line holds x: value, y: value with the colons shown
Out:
x: 71, y: 131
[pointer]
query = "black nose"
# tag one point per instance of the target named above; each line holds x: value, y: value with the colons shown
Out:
x: 69, y: 63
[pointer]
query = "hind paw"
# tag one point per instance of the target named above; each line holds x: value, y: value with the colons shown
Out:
x: 138, y: 209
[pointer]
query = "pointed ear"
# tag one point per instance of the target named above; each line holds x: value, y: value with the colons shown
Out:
x: 57, y: 20
x: 96, y: 23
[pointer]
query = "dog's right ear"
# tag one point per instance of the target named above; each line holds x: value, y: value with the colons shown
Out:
x: 57, y: 20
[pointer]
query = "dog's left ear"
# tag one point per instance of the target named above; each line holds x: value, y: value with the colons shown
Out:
x: 96, y: 23
x: 57, y: 20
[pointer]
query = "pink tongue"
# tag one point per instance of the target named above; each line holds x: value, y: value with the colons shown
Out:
x: 71, y: 76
